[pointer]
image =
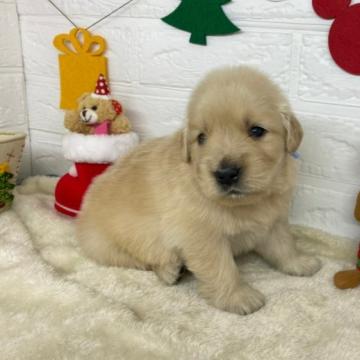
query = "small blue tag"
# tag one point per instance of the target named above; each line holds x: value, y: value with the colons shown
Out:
x: 296, y: 155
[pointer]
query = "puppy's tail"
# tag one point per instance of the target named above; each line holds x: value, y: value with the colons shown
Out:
x: 38, y: 184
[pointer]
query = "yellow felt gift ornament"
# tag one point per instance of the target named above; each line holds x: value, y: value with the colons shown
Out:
x: 81, y: 61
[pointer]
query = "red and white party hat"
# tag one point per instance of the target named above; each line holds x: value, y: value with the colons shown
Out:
x: 102, y: 89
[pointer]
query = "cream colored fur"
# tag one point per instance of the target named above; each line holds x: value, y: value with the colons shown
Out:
x: 160, y: 207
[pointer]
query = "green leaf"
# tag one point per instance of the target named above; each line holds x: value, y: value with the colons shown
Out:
x: 6, y: 186
x: 6, y: 197
x: 6, y: 176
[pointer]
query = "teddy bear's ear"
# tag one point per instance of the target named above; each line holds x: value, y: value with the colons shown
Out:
x: 83, y: 97
x: 109, y: 109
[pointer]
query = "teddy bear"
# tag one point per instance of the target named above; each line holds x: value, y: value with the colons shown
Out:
x: 97, y: 113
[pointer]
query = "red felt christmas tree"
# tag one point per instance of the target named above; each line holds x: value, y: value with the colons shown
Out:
x: 201, y: 18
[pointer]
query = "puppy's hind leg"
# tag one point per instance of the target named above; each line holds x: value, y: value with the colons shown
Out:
x: 279, y: 250
x: 171, y: 271
x: 105, y: 252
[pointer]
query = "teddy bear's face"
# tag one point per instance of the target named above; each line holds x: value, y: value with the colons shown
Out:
x: 95, y: 110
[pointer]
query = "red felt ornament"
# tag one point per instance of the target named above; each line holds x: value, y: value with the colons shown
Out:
x: 344, y: 34
x: 329, y: 9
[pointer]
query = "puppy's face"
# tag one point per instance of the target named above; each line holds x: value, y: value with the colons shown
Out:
x: 94, y: 110
x: 239, y: 136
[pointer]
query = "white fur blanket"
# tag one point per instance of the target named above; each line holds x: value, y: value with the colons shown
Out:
x: 55, y: 304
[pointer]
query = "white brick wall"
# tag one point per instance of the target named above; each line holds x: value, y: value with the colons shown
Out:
x: 12, y: 88
x: 153, y: 68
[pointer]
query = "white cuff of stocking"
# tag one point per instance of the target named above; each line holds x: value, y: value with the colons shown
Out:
x: 98, y: 149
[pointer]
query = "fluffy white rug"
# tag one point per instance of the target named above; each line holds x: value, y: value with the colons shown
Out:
x: 55, y: 304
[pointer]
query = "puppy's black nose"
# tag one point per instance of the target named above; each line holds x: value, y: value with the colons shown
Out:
x: 227, y: 175
x: 83, y: 113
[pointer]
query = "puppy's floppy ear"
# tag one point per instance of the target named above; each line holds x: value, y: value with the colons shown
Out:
x: 185, y: 145
x: 294, y: 131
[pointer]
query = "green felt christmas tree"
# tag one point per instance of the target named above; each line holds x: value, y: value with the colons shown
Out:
x: 201, y: 18
x: 6, y: 197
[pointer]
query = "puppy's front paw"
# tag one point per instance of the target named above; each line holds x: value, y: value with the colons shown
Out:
x: 243, y: 301
x: 170, y: 273
x: 302, y: 265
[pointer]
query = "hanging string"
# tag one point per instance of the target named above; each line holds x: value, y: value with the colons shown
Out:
x: 62, y: 13
x: 96, y: 22
x: 111, y: 13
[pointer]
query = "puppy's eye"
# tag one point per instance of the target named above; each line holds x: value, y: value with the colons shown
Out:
x: 201, y: 139
x: 94, y: 108
x: 257, y: 132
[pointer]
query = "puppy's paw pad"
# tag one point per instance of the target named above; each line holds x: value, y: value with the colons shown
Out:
x: 302, y: 266
x: 170, y: 273
x: 245, y: 300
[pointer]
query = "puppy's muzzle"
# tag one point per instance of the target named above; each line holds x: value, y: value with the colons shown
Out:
x: 227, y: 175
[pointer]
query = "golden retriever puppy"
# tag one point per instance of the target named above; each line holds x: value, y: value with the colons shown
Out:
x: 217, y: 189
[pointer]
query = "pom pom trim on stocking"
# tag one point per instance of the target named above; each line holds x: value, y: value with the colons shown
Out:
x: 98, y: 149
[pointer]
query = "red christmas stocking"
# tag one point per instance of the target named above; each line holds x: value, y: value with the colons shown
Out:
x: 92, y: 155
x: 71, y: 188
